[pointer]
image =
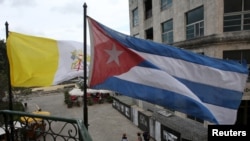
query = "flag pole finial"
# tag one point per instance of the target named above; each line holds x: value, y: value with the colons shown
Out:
x: 85, y: 5
x: 7, y: 29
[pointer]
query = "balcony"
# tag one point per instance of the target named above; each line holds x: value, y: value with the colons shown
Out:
x: 22, y: 126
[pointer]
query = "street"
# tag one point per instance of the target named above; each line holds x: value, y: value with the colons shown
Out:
x: 105, y: 123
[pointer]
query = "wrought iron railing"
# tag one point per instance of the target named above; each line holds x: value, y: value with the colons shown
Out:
x: 22, y: 126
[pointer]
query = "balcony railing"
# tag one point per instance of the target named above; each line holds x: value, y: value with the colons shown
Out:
x: 22, y: 126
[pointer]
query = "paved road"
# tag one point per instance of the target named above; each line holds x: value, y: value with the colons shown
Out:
x: 105, y: 123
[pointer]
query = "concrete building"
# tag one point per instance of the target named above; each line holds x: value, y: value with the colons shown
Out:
x: 215, y: 28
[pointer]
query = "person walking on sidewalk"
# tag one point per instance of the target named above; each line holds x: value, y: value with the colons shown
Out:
x: 146, y: 136
x: 139, y: 138
x: 124, y: 137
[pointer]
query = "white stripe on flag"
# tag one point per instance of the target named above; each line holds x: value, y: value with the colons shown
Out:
x: 222, y: 114
x: 158, y: 79
x: 64, y: 71
x: 192, y: 72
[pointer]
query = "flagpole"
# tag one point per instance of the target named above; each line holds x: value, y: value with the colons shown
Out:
x: 10, y: 91
x: 85, y: 66
x: 9, y: 83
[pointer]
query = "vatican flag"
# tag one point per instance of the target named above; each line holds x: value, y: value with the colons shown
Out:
x: 37, y: 61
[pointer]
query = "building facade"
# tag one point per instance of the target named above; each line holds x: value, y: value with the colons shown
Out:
x: 215, y: 28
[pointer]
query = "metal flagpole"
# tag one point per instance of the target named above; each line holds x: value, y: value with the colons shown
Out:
x: 85, y: 66
x: 10, y: 91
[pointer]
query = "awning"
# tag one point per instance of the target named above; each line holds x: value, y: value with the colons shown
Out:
x: 79, y: 92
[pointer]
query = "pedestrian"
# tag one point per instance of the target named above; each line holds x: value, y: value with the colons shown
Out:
x: 124, y: 137
x: 100, y: 98
x: 146, y: 136
x: 139, y: 138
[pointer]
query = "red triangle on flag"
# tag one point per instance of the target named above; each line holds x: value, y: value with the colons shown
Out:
x: 110, y: 57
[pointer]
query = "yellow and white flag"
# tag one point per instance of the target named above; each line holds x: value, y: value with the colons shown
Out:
x: 37, y: 61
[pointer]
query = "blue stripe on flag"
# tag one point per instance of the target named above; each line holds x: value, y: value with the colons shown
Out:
x: 158, y: 96
x: 207, y: 93
x: 214, y: 95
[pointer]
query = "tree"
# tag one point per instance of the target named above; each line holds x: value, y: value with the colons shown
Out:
x: 3, y: 70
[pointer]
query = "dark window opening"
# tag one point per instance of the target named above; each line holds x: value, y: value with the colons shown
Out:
x: 238, y: 55
x: 236, y: 15
x: 148, y: 8
x: 149, y: 34
x: 246, y: 5
x: 232, y: 6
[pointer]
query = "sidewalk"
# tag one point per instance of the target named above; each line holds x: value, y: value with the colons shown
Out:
x: 105, y: 122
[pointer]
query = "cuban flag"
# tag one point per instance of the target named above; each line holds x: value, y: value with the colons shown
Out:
x: 207, y: 88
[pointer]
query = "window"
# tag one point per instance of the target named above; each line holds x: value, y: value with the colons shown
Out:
x: 238, y: 55
x: 194, y: 118
x: 167, y: 32
x: 148, y: 8
x: 149, y: 34
x: 195, y: 23
x: 165, y: 4
x: 236, y: 15
x: 135, y: 17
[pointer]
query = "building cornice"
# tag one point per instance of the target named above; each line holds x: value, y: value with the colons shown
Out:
x: 225, y: 38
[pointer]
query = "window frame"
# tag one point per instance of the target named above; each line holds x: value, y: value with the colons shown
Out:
x: 196, y: 27
x: 236, y: 20
x: 167, y: 33
x: 165, y: 4
x: 135, y: 17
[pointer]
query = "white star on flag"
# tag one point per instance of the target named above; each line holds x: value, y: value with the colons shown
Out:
x: 113, y: 55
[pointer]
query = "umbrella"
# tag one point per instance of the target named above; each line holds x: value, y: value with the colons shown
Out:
x: 92, y: 91
x: 46, y: 113
x: 76, y: 92
x: 105, y: 91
